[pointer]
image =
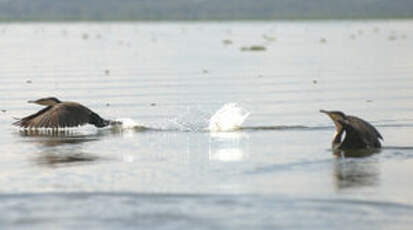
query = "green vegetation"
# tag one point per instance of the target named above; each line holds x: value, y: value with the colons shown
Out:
x: 96, y: 10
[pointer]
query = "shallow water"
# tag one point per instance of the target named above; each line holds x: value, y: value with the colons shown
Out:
x: 277, y: 170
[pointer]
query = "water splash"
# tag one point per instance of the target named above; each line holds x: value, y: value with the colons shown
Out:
x: 228, y: 118
x: 193, y: 120
x: 127, y: 123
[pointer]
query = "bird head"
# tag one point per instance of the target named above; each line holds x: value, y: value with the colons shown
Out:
x: 338, y: 117
x: 47, y: 101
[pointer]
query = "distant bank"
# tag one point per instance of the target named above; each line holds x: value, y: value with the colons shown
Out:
x: 154, y: 10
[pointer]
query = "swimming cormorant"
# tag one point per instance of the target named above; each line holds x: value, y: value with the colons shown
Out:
x: 359, y: 134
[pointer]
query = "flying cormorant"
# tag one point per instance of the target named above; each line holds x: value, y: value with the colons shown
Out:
x: 61, y: 114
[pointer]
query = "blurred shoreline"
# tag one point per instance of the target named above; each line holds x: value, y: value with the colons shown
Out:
x: 201, y: 10
x: 258, y: 20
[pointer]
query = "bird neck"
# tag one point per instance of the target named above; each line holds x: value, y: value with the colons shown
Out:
x: 337, y: 136
x: 49, y: 102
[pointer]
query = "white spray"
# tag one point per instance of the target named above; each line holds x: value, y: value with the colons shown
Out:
x: 228, y: 118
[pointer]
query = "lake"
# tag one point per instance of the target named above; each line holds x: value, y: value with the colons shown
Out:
x: 276, y: 171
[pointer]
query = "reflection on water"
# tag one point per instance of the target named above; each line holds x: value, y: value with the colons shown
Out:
x: 128, y: 132
x: 228, y: 146
x: 57, y: 159
x: 60, y: 148
x: 353, y: 173
x: 357, y: 153
x: 56, y: 138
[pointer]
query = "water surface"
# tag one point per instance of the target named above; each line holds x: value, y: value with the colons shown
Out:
x: 277, y: 171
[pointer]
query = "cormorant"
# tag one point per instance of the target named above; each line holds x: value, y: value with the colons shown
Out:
x: 359, y: 134
x: 61, y: 114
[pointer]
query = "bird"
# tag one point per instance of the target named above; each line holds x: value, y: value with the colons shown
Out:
x: 61, y: 114
x: 359, y: 134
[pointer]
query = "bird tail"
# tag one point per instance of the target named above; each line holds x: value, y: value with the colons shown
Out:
x: 97, y: 121
x: 100, y: 122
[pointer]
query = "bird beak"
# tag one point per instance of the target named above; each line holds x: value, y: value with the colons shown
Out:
x: 31, y: 102
x: 324, y: 111
x: 328, y: 113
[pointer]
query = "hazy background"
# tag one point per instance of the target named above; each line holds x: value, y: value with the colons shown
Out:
x: 201, y: 9
x: 169, y: 65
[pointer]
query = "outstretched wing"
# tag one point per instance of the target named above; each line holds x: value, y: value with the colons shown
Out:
x: 58, y: 116
x: 24, y: 122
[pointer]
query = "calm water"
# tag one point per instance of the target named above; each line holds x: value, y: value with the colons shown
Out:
x: 277, y: 171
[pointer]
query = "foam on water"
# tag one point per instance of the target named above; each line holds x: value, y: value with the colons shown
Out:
x: 128, y: 123
x: 228, y: 118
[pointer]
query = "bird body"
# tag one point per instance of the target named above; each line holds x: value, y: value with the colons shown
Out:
x: 359, y: 134
x: 60, y: 114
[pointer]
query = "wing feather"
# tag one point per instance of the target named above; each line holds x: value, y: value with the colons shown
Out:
x: 65, y: 114
x: 25, y: 122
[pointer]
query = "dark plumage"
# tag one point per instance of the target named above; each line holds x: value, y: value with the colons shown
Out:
x: 60, y: 114
x: 359, y: 134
